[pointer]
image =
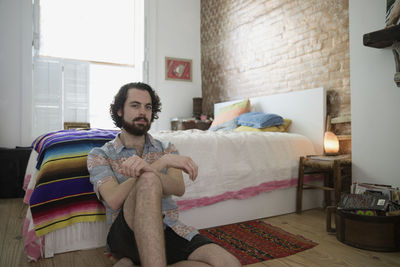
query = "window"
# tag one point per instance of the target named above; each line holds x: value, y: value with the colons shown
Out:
x: 83, y: 52
x: 60, y: 93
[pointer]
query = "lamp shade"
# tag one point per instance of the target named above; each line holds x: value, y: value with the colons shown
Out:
x: 331, y: 143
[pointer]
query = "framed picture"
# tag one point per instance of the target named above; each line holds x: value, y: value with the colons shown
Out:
x: 178, y: 69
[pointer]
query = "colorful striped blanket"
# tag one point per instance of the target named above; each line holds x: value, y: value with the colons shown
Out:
x: 63, y: 194
x: 45, y: 141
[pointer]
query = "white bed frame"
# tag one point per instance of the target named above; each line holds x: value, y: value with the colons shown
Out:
x: 307, y: 111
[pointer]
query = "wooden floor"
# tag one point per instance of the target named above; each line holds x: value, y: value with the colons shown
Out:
x: 311, y: 224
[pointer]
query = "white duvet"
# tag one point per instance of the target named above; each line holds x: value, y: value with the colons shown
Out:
x: 234, y: 164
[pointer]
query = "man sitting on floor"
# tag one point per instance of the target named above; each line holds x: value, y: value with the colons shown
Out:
x: 135, y: 176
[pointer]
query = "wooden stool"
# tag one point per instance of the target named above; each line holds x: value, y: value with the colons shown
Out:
x: 337, y: 177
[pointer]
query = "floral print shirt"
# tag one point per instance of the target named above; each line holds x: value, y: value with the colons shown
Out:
x: 103, y: 165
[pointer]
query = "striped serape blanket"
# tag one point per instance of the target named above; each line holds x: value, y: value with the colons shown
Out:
x: 63, y: 194
x: 45, y: 141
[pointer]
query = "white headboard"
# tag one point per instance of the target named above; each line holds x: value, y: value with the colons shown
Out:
x: 306, y: 109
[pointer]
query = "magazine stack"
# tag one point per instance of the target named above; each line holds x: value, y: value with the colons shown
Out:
x: 371, y: 200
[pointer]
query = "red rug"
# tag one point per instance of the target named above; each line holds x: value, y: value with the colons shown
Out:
x: 256, y: 241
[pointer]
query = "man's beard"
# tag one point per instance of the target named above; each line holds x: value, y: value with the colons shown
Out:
x: 137, y: 130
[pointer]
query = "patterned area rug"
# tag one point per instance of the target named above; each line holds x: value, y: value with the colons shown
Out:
x: 256, y: 241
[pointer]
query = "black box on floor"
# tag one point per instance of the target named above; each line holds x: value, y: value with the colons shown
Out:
x: 13, y: 164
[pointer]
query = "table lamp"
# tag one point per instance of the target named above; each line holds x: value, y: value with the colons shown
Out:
x: 331, y: 144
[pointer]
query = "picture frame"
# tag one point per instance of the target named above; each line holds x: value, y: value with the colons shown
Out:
x: 178, y: 69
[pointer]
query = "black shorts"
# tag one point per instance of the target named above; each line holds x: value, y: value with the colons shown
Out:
x: 121, y: 242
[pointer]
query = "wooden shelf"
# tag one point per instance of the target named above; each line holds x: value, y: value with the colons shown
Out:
x: 382, y: 38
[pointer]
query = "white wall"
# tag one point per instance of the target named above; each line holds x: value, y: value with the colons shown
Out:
x: 15, y: 73
x: 375, y: 99
x: 174, y: 31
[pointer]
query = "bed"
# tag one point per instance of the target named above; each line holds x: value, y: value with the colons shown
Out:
x: 242, y: 175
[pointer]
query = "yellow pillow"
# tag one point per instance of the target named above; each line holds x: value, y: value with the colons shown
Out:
x: 281, y: 128
x: 230, y: 112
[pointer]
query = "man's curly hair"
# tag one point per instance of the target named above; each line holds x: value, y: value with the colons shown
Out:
x: 120, y: 98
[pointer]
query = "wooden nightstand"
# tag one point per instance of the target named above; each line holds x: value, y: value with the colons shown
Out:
x: 337, y: 177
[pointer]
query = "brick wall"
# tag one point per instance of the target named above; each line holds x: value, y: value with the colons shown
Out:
x: 262, y: 47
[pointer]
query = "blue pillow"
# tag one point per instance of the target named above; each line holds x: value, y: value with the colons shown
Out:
x: 259, y: 119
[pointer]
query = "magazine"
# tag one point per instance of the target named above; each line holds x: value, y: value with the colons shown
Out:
x: 376, y: 189
x: 365, y: 201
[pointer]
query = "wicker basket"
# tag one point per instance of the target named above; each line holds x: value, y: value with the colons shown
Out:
x: 378, y: 233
